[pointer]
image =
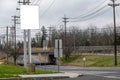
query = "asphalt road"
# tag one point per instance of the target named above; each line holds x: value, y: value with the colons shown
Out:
x: 88, y: 73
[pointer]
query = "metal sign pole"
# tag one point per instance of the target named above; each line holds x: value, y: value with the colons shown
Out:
x: 58, y: 51
x: 29, y: 46
x: 45, y: 44
x: 25, y: 50
x: 58, y: 57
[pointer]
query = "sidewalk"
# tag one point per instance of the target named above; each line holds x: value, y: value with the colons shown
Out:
x: 61, y: 75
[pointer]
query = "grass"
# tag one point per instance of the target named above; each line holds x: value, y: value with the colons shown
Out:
x: 9, y: 76
x: 91, y: 61
x: 9, y: 71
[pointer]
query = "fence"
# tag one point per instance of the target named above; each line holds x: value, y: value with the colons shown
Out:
x: 96, y: 49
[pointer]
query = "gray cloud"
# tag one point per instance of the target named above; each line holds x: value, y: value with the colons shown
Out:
x: 71, y: 8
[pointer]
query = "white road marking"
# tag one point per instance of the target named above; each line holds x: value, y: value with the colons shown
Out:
x: 112, y: 77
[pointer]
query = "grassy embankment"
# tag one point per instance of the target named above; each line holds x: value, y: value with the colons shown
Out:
x: 8, y: 70
x: 91, y: 61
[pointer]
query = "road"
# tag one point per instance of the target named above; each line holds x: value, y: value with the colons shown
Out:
x: 88, y: 73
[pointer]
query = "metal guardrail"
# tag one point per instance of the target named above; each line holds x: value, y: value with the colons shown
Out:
x: 93, y: 48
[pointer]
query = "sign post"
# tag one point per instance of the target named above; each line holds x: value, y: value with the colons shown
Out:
x: 58, y: 52
x: 29, y: 18
x: 84, y: 60
x: 45, y: 45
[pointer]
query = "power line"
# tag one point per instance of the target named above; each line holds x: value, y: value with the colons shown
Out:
x: 48, y: 7
x: 92, y: 16
x: 59, y: 24
x: 95, y: 12
x: 33, y: 1
x: 118, y: 17
x: 57, y: 21
x: 88, y: 12
x: 38, y: 2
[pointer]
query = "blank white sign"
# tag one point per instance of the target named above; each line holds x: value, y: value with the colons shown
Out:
x: 58, y: 53
x: 29, y: 17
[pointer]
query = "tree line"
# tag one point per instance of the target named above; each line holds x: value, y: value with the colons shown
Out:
x: 92, y: 36
x: 75, y: 37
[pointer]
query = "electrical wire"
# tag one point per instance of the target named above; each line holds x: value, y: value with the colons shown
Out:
x: 57, y: 21
x: 93, y: 16
x: 48, y: 7
x: 94, y: 12
x: 37, y: 2
x: 118, y: 17
x: 33, y: 1
x: 96, y: 7
x: 58, y: 24
x: 99, y: 14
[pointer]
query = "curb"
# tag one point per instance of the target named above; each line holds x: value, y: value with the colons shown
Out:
x: 61, y: 75
x: 45, y: 76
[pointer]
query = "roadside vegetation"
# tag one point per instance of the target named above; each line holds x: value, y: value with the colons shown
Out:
x: 12, y: 71
x: 91, y: 61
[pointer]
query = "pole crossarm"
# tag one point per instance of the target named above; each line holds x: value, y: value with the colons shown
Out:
x: 114, y: 5
x: 16, y: 16
x: 15, y: 19
x: 24, y: 2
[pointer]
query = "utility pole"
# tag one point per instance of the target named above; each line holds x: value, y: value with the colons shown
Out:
x: 15, y: 19
x: 7, y: 41
x: 50, y: 36
x: 65, y: 23
x: 7, y: 35
x: 11, y: 36
x: 113, y: 5
x: 74, y: 39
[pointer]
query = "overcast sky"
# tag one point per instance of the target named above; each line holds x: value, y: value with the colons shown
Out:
x: 51, y: 11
